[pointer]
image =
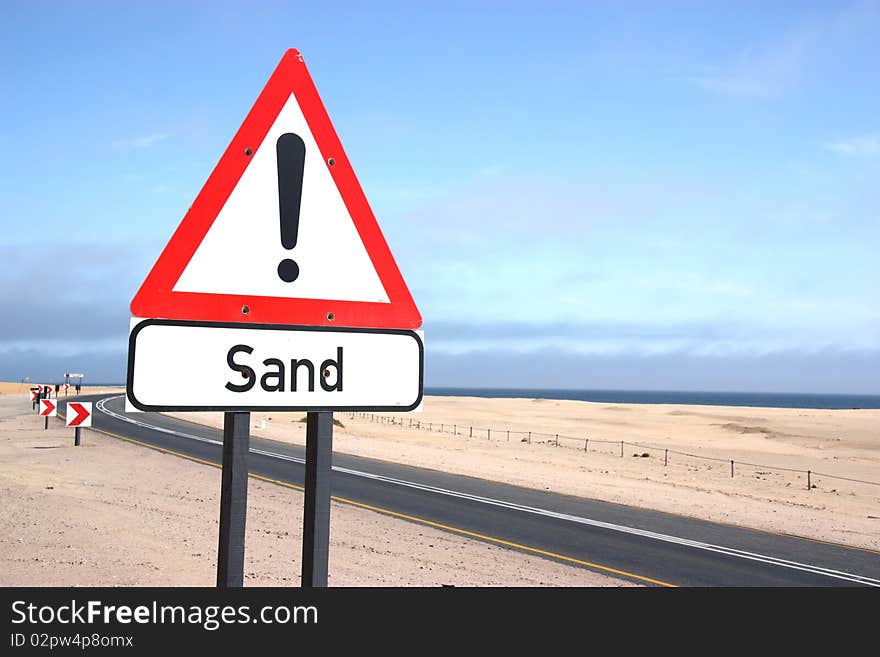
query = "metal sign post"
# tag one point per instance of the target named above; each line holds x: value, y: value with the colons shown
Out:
x: 233, y: 500
x: 316, y: 508
x: 79, y: 414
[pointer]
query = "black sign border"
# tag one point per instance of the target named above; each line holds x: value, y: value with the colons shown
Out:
x: 129, y: 380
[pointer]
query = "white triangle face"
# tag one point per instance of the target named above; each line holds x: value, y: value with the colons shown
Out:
x: 242, y: 249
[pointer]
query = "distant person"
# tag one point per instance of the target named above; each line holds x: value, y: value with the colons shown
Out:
x: 78, y: 386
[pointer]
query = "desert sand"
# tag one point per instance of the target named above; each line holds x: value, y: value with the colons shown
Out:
x: 112, y: 513
x: 844, y: 443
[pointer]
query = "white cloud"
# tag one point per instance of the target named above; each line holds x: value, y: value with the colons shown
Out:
x: 860, y: 146
x: 764, y: 72
x: 772, y: 68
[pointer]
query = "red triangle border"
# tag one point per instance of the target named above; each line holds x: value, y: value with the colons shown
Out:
x: 155, y: 298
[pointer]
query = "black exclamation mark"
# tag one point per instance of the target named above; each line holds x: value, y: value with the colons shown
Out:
x: 291, y: 152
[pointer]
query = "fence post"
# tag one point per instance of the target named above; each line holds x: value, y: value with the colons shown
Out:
x: 471, y: 433
x: 621, y: 449
x: 808, y: 480
x: 488, y: 434
x: 455, y: 429
x: 508, y: 434
x: 530, y: 437
x: 731, y: 468
x: 557, y: 440
x: 665, y: 457
x: 586, y: 442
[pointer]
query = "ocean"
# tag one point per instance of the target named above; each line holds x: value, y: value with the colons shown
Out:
x: 766, y: 399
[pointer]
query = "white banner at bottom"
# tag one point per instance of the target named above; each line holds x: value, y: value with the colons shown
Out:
x: 202, y: 366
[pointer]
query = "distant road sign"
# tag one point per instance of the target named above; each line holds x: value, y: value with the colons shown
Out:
x: 48, y: 408
x: 79, y: 414
x: 34, y: 392
x: 179, y: 365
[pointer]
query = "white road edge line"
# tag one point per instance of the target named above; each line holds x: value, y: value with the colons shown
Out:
x: 733, y: 552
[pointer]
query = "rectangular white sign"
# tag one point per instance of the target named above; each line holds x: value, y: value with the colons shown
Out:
x: 190, y: 365
x: 78, y: 414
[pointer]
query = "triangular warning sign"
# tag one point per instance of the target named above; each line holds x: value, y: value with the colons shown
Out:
x: 281, y: 232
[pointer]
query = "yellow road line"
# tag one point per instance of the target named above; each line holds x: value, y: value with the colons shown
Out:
x: 159, y: 449
x: 499, y: 541
x: 403, y: 516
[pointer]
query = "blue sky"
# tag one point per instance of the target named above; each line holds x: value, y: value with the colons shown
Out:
x: 579, y: 194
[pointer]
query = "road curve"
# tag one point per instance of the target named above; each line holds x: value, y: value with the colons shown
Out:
x: 645, y: 546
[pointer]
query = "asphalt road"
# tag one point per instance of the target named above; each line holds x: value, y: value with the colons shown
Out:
x: 646, y: 546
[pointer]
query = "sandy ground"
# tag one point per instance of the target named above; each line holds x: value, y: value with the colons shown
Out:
x: 87, y: 516
x: 113, y: 513
x: 845, y: 443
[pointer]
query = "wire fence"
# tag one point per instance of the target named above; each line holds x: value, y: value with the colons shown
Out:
x: 808, y: 477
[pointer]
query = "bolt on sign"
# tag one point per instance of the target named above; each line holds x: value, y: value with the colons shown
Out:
x: 278, y: 289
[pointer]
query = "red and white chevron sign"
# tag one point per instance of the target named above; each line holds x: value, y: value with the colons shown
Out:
x: 79, y: 414
x: 34, y: 392
x: 48, y: 408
